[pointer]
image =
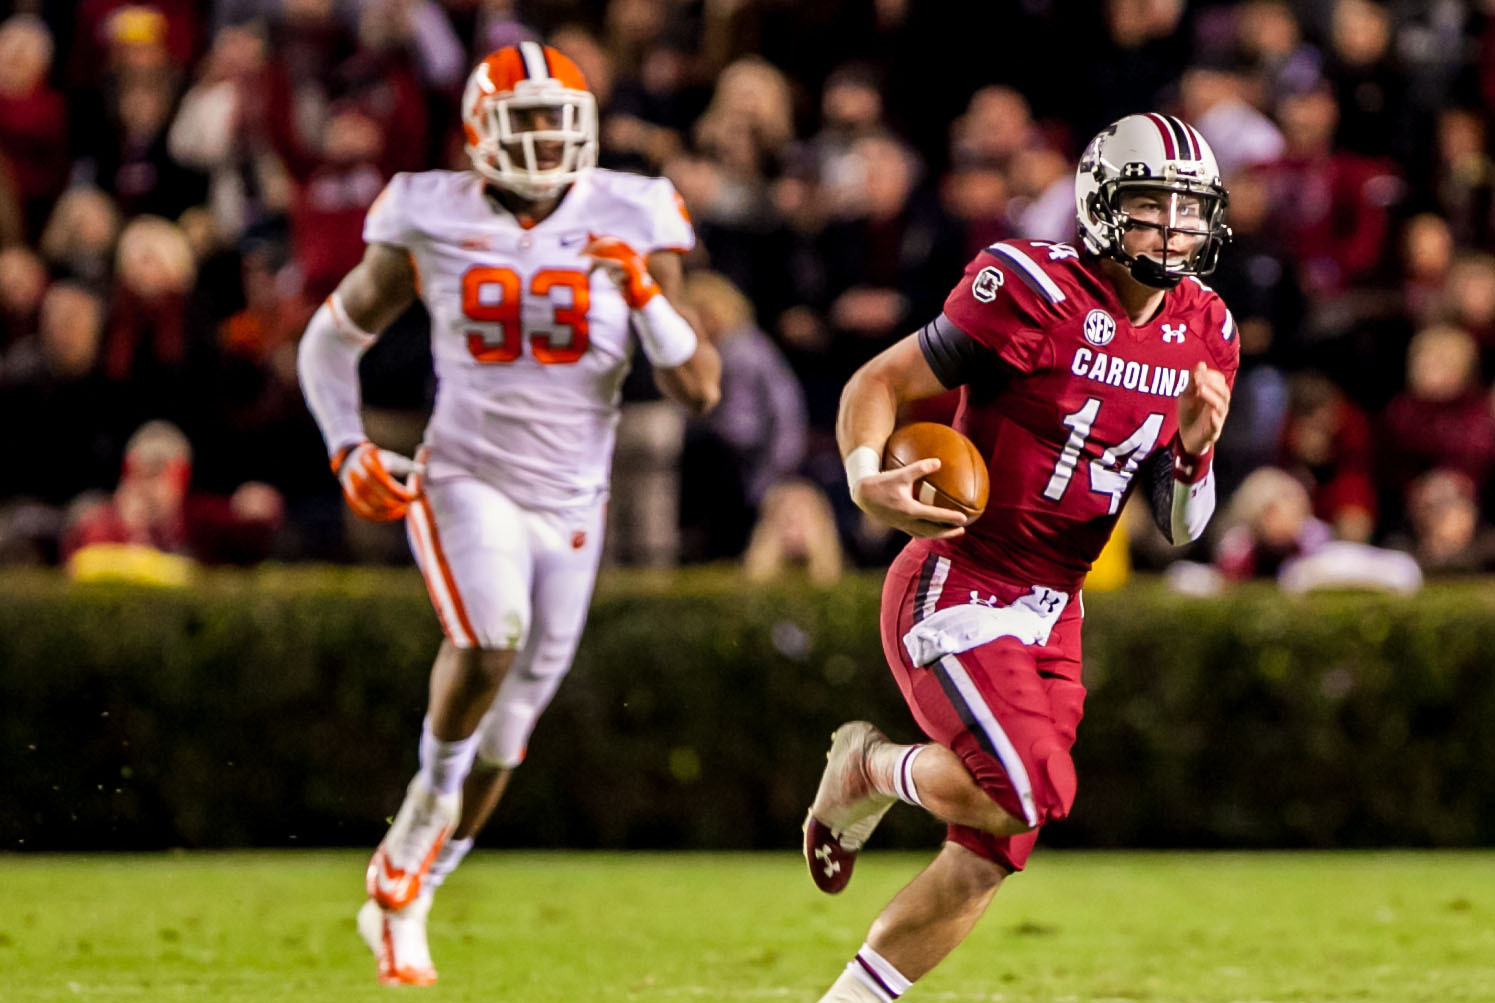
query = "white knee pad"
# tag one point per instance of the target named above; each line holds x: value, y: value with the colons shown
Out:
x: 503, y: 735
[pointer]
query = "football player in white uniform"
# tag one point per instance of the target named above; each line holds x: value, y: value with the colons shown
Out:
x: 534, y: 266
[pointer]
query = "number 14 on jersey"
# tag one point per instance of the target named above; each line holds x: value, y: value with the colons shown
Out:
x: 1110, y: 474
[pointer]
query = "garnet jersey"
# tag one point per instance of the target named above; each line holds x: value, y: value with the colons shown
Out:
x: 1065, y: 398
x: 530, y: 344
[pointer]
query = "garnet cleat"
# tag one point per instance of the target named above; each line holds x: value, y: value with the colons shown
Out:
x: 846, y: 809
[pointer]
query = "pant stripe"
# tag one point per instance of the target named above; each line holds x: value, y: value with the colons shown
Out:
x: 961, y: 690
x: 931, y: 584
x: 438, y: 574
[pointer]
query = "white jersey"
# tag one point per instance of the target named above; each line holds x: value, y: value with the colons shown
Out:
x: 530, y: 346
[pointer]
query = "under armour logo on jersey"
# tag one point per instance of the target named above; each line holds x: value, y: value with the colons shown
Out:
x: 1100, y: 327
x: 988, y: 281
x: 1171, y: 333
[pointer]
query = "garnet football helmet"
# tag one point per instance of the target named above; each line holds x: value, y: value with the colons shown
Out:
x: 530, y: 122
x: 1157, y: 153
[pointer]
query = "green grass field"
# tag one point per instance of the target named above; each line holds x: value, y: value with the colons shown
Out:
x: 578, y: 928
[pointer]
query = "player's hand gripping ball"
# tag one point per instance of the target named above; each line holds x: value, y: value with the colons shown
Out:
x: 960, y: 484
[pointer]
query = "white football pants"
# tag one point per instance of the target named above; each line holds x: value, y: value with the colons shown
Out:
x: 506, y: 577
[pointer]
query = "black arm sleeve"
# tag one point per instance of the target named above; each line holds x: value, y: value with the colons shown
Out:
x: 1157, y: 478
x: 957, y: 358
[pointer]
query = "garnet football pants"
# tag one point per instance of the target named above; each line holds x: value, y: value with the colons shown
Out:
x: 1007, y: 705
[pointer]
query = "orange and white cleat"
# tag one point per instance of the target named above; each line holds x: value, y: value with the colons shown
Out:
x: 398, y: 940
x: 421, y: 828
x: 846, y: 808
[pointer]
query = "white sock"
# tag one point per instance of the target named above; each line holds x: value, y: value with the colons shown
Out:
x: 447, y: 859
x: 445, y: 764
x: 891, y: 768
x: 868, y: 978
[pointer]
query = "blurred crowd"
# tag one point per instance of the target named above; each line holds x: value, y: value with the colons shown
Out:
x: 182, y: 182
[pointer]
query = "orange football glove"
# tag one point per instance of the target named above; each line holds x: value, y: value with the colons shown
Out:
x: 626, y: 265
x: 369, y: 487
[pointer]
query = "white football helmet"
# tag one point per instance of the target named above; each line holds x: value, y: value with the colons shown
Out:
x: 521, y: 103
x: 1154, y: 152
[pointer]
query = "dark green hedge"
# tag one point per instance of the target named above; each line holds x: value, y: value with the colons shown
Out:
x: 281, y: 708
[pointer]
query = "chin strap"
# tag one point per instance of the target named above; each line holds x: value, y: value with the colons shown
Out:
x: 1150, y: 273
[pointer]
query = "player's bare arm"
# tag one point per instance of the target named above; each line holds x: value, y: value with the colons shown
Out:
x: 1202, y: 409
x: 697, y: 382
x: 368, y: 299
x: 379, y: 288
x: 868, y: 413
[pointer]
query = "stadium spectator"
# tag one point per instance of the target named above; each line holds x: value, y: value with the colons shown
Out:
x: 1463, y: 181
x: 754, y: 438
x: 331, y: 200
x: 52, y: 388
x: 33, y: 118
x: 148, y: 353
x: 1326, y: 445
x: 1259, y: 282
x: 886, y: 251
x: 1369, y: 87
x: 1427, y: 260
x: 795, y: 527
x: 114, y: 35
x: 1213, y: 95
x: 79, y: 239
x: 1330, y: 208
x: 151, y: 514
x: 220, y: 130
x: 1268, y: 521
x: 130, y: 160
x: 749, y: 123
x: 1468, y: 302
x: 23, y: 281
x: 1442, y: 420
x: 1271, y: 36
x: 1043, y: 194
x: 1445, y: 532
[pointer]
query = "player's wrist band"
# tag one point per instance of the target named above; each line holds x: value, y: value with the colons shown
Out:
x: 861, y: 462
x: 1190, y: 468
x: 667, y: 338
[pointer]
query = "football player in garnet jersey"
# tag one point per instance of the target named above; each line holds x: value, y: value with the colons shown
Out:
x: 533, y: 265
x: 1084, y: 371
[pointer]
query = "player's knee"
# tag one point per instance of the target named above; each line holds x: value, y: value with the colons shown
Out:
x: 970, y: 875
x: 505, y: 733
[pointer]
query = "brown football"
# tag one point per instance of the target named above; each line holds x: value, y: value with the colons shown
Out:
x: 961, y: 482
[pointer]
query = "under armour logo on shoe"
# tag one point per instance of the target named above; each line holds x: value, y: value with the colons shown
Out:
x: 831, y: 867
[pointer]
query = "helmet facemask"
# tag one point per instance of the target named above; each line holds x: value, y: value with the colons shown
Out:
x: 535, y: 140
x: 1187, y: 207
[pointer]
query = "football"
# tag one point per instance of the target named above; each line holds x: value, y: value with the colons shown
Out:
x: 961, y: 482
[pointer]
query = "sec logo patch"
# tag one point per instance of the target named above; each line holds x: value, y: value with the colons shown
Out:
x: 1099, y: 327
x: 988, y: 281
